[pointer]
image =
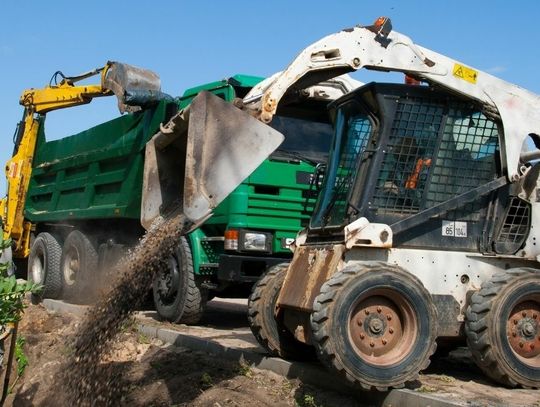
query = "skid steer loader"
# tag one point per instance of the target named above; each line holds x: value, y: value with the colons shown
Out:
x: 425, y: 228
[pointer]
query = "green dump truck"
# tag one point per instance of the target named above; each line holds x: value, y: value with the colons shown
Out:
x: 84, y: 202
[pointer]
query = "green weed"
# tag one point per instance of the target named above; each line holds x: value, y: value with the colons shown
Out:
x: 206, y: 380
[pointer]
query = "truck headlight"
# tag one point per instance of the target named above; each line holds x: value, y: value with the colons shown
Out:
x: 255, y: 241
x: 248, y: 240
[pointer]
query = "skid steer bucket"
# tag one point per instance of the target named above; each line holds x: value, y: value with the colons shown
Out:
x: 200, y: 157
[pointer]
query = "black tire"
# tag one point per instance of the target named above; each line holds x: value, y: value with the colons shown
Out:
x: 44, y: 266
x: 270, y: 332
x: 177, y: 296
x: 79, y: 267
x: 503, y: 327
x: 374, y: 324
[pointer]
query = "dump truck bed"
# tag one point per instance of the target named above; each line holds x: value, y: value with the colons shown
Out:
x: 93, y: 174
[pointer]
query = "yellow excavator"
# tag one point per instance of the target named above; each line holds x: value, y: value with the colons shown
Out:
x: 116, y: 79
x: 184, y: 146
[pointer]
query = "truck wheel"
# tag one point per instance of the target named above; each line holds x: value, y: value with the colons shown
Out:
x: 177, y: 296
x: 269, y: 331
x: 503, y: 327
x: 79, y: 264
x: 44, y: 266
x: 375, y: 324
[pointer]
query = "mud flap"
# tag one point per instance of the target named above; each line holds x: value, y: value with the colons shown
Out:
x: 199, y: 157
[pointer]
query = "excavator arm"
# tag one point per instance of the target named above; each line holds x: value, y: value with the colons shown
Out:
x: 116, y: 78
x: 377, y: 47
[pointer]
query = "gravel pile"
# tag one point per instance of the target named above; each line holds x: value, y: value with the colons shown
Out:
x: 86, y: 380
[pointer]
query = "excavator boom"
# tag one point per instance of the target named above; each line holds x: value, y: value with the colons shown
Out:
x: 116, y: 78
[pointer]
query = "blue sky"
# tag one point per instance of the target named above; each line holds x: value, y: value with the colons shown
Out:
x: 190, y: 43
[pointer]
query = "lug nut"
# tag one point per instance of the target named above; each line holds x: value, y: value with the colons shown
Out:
x: 379, y: 310
x: 521, y: 344
x: 524, y: 314
x: 384, y: 342
x: 359, y: 322
x: 514, y: 334
x: 515, y: 321
x: 362, y: 336
x: 389, y: 317
x: 535, y: 316
x: 532, y: 346
x: 367, y: 312
x: 391, y: 330
x: 372, y: 344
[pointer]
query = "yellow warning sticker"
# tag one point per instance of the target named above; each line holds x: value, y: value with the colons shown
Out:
x: 465, y: 73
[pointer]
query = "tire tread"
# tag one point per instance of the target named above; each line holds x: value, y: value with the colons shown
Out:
x: 322, y: 330
x: 476, y: 325
x: 284, y: 345
x: 194, y: 305
x: 52, y: 280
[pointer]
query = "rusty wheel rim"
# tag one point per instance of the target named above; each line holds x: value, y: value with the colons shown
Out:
x: 383, y: 327
x: 523, y: 330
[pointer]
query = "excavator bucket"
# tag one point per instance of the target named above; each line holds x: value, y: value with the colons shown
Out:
x: 133, y: 86
x: 199, y: 157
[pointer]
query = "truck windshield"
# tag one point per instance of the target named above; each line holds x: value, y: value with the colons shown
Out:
x: 305, y: 140
x: 353, y: 130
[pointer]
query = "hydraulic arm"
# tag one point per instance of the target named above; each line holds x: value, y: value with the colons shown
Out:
x: 377, y: 47
x: 116, y: 79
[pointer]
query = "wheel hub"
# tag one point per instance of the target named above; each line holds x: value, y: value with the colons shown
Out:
x: 168, y: 279
x: 376, y: 326
x: 381, y: 328
x: 74, y: 265
x: 164, y: 284
x: 71, y: 266
x: 37, y: 270
x: 528, y: 329
x: 523, y: 329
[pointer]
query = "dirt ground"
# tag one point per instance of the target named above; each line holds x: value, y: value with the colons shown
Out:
x: 155, y: 374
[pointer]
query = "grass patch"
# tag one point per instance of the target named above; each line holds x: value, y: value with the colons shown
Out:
x: 206, y: 381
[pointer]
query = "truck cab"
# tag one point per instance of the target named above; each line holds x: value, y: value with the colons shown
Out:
x: 253, y: 228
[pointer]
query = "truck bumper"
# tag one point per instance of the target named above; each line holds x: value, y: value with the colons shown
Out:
x: 245, y: 269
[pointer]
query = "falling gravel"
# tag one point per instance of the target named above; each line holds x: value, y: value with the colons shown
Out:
x: 86, y: 380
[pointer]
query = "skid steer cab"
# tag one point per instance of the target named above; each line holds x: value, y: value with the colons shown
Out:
x: 425, y: 227
x: 417, y: 237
